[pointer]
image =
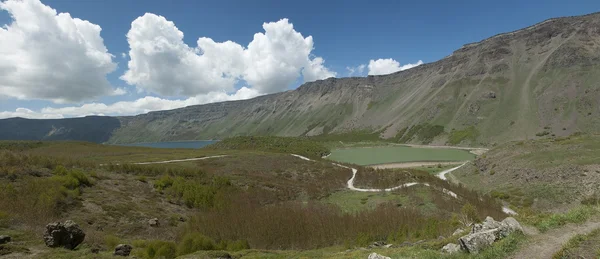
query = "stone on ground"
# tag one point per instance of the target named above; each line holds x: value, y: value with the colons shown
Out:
x: 451, y: 248
x: 68, y: 235
x: 377, y: 256
x: 123, y: 250
x: 154, y: 222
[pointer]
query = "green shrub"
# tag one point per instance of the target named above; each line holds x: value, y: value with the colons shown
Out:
x: 163, y: 183
x: 111, y: 241
x: 155, y: 249
x: 193, y: 242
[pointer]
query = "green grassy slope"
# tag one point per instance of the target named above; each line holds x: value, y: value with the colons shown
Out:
x: 546, y: 174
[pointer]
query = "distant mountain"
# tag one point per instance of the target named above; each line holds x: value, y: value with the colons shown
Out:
x: 93, y: 128
x: 537, y: 81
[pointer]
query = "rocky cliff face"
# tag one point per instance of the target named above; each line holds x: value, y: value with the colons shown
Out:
x: 515, y: 85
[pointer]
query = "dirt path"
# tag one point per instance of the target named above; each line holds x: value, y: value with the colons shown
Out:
x: 350, y: 183
x: 174, y: 161
x: 544, y: 245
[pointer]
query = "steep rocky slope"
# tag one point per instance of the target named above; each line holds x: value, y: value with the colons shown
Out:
x: 510, y: 86
x: 541, y: 80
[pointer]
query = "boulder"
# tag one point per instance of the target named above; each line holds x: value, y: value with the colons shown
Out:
x: 475, y: 242
x: 68, y: 235
x: 4, y: 239
x: 377, y: 256
x: 154, y: 222
x: 451, y: 248
x: 509, y: 226
x: 484, y: 234
x: 487, y: 224
x: 123, y: 250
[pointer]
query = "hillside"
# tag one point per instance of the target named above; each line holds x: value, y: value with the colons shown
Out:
x: 548, y: 174
x: 538, y: 80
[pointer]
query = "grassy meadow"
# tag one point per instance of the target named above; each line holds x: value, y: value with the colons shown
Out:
x: 252, y: 199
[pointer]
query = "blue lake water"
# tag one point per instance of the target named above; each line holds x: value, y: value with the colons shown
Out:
x: 174, y: 144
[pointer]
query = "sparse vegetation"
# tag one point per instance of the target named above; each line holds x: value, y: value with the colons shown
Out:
x: 581, y: 246
x: 547, y: 221
x: 458, y: 136
x: 288, y: 145
x: 425, y: 133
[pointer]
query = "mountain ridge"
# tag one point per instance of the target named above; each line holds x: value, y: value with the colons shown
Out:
x: 539, y: 80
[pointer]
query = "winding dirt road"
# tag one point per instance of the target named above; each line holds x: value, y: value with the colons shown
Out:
x: 350, y: 183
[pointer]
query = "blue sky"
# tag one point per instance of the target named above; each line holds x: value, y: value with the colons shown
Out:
x: 345, y: 34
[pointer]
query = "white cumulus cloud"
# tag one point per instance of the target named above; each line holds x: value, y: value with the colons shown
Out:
x: 141, y: 105
x: 51, y: 56
x: 160, y: 62
x: 358, y: 70
x: 388, y: 66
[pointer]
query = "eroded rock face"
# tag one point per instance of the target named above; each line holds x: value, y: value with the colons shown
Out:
x: 377, y: 256
x: 123, y: 250
x: 68, y: 235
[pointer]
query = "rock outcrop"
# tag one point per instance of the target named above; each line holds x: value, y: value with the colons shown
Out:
x: 68, y: 235
x: 123, y: 250
x: 484, y: 235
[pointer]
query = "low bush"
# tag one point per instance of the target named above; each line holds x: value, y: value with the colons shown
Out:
x: 38, y: 200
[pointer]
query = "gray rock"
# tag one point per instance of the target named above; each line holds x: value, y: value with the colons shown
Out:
x: 484, y: 234
x: 123, y: 250
x: 487, y: 224
x: 509, y: 226
x: 154, y: 222
x: 451, y: 248
x: 68, y: 235
x: 377, y: 256
x: 475, y: 242
x: 491, y: 95
x: 4, y: 239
